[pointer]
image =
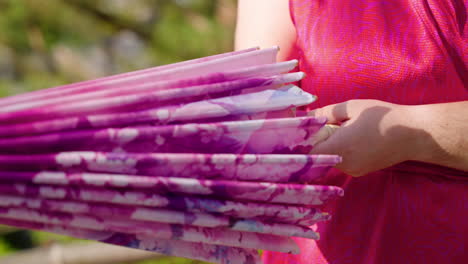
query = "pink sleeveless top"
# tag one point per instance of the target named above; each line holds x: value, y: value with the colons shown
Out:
x: 400, y: 51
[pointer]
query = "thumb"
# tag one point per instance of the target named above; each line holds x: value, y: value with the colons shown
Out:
x: 329, y: 142
x: 324, y: 133
x: 335, y: 113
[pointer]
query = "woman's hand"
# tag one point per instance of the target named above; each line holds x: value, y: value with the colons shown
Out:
x: 373, y: 135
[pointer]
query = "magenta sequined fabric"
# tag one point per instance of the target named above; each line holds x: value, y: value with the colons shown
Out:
x: 400, y: 51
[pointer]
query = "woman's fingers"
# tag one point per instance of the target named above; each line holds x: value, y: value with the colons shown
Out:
x: 324, y: 133
x: 331, y: 145
x: 336, y: 113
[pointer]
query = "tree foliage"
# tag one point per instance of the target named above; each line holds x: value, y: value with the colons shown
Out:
x: 46, y: 43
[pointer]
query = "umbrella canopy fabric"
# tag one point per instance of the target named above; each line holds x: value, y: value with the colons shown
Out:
x: 204, y: 159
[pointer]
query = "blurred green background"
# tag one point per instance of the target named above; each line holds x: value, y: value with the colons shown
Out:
x: 44, y: 43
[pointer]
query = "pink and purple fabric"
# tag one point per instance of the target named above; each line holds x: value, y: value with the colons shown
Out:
x: 203, y: 159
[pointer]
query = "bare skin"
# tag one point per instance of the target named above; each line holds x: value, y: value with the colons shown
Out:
x: 265, y: 23
x: 373, y: 134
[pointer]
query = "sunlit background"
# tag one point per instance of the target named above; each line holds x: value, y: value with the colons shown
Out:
x: 44, y: 43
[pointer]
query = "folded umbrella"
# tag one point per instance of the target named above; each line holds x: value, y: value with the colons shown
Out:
x: 192, y: 250
x: 263, y: 136
x: 246, y: 167
x: 157, y: 215
x: 272, y: 213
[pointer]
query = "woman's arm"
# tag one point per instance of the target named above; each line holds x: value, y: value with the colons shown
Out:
x: 447, y: 128
x: 265, y: 23
x: 376, y: 135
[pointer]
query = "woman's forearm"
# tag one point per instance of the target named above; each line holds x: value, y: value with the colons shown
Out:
x: 374, y: 135
x: 444, y: 134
